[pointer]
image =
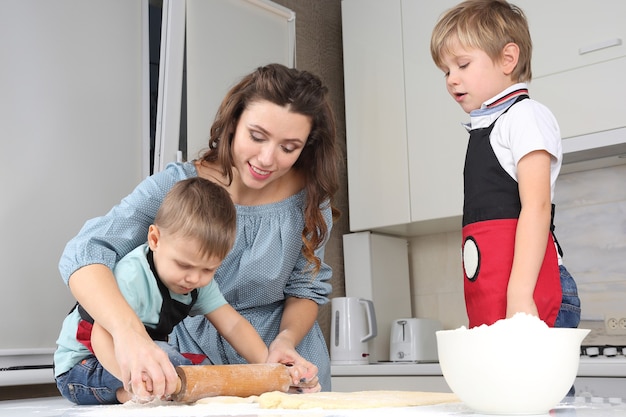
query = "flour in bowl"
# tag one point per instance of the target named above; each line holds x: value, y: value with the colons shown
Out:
x: 519, y: 322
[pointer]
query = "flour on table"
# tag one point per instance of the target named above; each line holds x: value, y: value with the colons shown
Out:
x: 266, y: 404
x: 353, y: 400
x: 221, y: 406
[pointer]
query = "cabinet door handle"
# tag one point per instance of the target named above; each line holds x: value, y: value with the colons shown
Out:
x: 600, y: 45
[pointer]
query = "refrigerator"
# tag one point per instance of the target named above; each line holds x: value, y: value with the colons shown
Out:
x: 73, y: 142
x: 75, y: 138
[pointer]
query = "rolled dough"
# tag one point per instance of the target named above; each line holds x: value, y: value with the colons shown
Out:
x: 351, y: 400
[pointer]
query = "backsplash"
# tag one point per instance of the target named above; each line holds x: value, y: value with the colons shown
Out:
x: 591, y: 228
x: 590, y: 225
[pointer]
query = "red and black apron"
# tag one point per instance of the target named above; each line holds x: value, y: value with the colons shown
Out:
x: 172, y: 313
x: 490, y: 213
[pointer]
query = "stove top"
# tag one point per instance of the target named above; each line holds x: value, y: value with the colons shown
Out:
x: 606, y: 351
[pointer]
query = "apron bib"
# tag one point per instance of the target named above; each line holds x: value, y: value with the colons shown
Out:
x: 490, y: 212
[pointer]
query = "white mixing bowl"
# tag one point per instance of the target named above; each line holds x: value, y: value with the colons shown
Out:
x: 515, y: 366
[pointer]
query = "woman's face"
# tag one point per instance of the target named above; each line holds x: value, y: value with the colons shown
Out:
x: 268, y: 141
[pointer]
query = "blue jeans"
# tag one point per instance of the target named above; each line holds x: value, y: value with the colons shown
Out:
x: 88, y: 383
x: 569, y: 314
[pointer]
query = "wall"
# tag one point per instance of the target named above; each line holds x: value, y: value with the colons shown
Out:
x: 436, y: 278
x: 590, y: 225
x: 319, y: 50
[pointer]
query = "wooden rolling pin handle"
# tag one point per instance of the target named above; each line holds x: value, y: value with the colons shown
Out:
x: 201, y: 381
x: 179, y: 386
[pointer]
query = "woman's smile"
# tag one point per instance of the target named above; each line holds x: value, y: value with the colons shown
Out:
x: 259, y: 173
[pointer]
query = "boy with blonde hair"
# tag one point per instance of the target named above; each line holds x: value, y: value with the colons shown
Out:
x: 511, y: 258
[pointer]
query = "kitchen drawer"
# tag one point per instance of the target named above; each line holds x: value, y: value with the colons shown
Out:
x: 569, y: 34
x: 586, y: 100
x: 601, y: 387
x: 390, y: 382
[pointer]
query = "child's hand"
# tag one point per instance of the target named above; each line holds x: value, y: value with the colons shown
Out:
x: 527, y: 306
x: 519, y: 298
x: 145, y: 368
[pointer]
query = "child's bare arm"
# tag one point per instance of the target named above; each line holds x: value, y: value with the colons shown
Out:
x: 104, y: 349
x: 533, y: 230
x: 239, y: 333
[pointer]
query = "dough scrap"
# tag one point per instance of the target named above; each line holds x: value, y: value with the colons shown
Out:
x: 353, y: 400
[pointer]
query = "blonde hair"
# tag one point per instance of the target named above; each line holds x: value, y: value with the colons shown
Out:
x: 200, y: 210
x: 487, y: 25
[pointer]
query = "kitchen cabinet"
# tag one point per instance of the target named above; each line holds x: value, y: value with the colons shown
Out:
x: 390, y: 383
x: 578, y: 66
x: 405, y: 149
x: 376, y: 268
x: 405, y: 142
x: 389, y: 376
x: 589, y: 35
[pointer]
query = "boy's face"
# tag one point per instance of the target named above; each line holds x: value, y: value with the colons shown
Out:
x: 179, y: 263
x: 472, y: 77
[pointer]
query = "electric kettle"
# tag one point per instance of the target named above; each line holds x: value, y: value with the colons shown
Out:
x: 353, y: 324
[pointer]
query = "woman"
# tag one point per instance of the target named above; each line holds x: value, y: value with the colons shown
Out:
x: 272, y: 147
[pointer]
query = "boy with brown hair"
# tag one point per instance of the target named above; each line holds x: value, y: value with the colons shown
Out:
x: 164, y: 281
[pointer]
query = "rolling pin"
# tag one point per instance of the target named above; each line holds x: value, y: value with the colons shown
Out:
x: 201, y: 381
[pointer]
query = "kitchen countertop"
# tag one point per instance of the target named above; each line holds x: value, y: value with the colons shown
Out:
x: 583, y: 406
x: 588, y: 367
x: 386, y: 369
x: 59, y: 407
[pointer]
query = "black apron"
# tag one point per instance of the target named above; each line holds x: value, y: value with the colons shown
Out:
x: 491, y: 210
x: 172, y: 313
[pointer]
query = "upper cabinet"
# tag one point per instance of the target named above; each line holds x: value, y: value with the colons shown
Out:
x: 405, y: 140
x: 579, y: 58
x: 570, y: 34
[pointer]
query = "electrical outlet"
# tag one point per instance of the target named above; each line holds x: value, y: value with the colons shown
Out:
x: 615, y: 323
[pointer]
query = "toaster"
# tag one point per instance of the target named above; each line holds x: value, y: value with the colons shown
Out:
x: 414, y: 340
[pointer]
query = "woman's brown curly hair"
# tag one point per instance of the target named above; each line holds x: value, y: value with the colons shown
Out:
x: 302, y: 93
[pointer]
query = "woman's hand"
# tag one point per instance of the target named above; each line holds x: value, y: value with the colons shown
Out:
x: 303, y: 372
x: 298, y: 318
x: 306, y: 387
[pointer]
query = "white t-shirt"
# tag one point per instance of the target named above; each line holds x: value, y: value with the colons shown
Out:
x: 528, y: 126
